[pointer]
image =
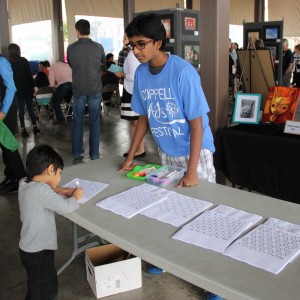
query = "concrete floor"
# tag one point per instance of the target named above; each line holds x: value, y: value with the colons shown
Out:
x: 72, y: 281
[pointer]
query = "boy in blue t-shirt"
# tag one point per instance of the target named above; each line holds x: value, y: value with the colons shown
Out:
x: 169, y: 98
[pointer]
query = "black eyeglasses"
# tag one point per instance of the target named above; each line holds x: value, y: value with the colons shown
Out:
x: 139, y: 45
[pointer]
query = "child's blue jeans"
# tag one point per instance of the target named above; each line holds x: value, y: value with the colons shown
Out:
x: 41, y: 274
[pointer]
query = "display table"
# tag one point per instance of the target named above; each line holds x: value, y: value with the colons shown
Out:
x: 151, y: 240
x: 261, y: 158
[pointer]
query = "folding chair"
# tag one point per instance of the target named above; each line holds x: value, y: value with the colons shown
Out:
x: 43, y: 97
x: 114, y: 99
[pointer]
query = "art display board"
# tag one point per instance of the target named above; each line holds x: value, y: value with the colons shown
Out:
x: 272, y: 34
x: 183, y: 33
x: 258, y: 72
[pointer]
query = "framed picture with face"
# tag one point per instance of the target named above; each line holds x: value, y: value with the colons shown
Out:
x: 190, y: 24
x: 168, y: 22
x: 191, y: 52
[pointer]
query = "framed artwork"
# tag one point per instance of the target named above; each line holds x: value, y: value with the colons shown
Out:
x: 169, y: 50
x: 247, y: 108
x: 167, y: 21
x: 190, y: 24
x: 250, y: 37
x: 274, y: 48
x: 272, y: 33
x: 191, y: 52
x: 281, y: 104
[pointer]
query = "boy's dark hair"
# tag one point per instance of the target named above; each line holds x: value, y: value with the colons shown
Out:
x: 108, y: 56
x: 83, y: 26
x: 40, y: 158
x: 147, y: 25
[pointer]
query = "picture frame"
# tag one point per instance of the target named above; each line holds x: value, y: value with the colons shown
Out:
x: 271, y: 33
x: 190, y: 24
x: 254, y: 34
x: 247, y: 108
x: 274, y: 48
x: 168, y: 22
x: 191, y: 52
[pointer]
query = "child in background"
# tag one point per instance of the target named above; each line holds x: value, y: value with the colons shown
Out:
x: 39, y: 199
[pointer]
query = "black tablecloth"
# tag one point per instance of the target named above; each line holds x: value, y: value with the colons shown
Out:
x: 261, y: 158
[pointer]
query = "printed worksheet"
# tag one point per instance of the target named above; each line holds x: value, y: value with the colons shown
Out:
x: 267, y: 247
x: 216, y: 229
x: 133, y: 201
x: 290, y: 227
x: 91, y: 188
x: 177, y: 209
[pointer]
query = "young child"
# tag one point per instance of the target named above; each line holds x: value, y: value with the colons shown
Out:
x: 168, y: 96
x: 39, y: 199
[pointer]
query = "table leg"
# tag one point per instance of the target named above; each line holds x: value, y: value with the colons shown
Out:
x: 76, y: 249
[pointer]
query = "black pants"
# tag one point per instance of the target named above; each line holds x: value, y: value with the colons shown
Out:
x: 42, y: 280
x: 14, y: 168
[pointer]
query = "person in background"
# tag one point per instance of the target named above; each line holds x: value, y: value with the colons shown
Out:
x: 122, y: 54
x: 60, y: 78
x: 44, y: 67
x: 259, y: 44
x: 109, y: 60
x: 296, y: 67
x: 39, y: 199
x: 25, y: 87
x: 14, y: 169
x: 130, y: 65
x: 287, y: 64
x: 85, y: 58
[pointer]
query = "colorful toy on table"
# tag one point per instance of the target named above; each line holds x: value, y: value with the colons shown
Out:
x: 165, y: 175
x: 140, y: 172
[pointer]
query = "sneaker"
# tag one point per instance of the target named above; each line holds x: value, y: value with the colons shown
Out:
x: 36, y: 130
x: 25, y: 134
x: 155, y: 270
x: 211, y: 296
x: 6, y: 183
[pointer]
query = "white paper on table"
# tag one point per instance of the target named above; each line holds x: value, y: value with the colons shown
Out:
x: 290, y: 227
x: 237, y: 214
x: 266, y: 247
x: 91, y: 188
x: 216, y: 229
x: 131, y: 202
x: 177, y: 209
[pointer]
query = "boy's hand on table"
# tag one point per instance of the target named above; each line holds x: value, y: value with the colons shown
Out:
x: 127, y: 165
x: 188, y: 180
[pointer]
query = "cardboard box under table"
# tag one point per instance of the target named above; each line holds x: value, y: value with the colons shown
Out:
x: 108, y: 273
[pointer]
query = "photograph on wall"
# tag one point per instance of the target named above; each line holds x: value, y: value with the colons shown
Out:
x: 281, y: 105
x: 271, y: 33
x: 247, y: 108
x: 191, y: 52
x: 190, y: 24
x: 274, y: 50
x: 167, y: 21
x: 252, y: 37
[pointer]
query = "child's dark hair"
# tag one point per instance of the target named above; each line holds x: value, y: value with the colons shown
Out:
x: 40, y: 158
x: 108, y: 56
x: 14, y: 52
x: 83, y: 26
x: 147, y: 25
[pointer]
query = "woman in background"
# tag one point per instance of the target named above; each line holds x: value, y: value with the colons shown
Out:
x: 130, y: 65
x: 25, y: 86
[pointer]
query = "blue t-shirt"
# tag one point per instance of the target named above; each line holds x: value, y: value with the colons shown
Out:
x: 170, y: 99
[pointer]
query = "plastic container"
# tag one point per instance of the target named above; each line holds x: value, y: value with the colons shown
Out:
x: 165, y: 175
x: 140, y: 170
